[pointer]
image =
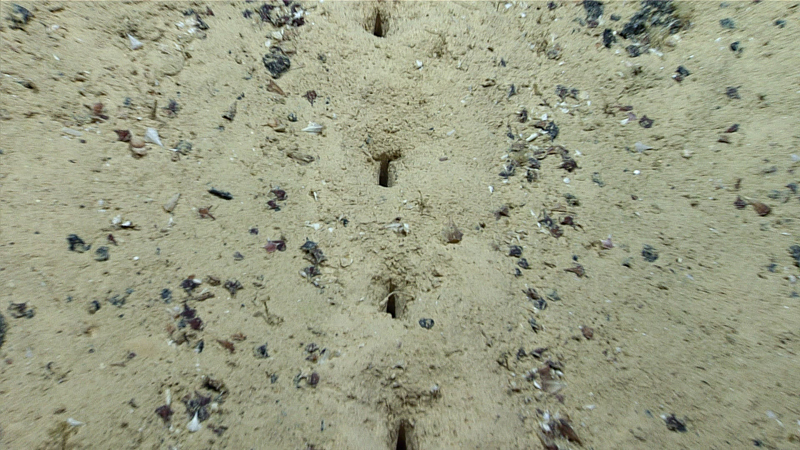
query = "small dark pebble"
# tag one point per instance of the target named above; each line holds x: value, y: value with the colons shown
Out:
x: 739, y: 203
x: 311, y: 272
x: 608, y: 38
x: 733, y: 128
x: 183, y: 147
x: 426, y: 323
x: 221, y: 194
x: 633, y: 50
x: 166, y: 295
x: 254, y: 231
x: 94, y: 306
x: 276, y: 63
x: 732, y: 93
x: 101, y: 254
x: 761, y: 209
x: 280, y: 194
x: 515, y: 251
x: 310, y: 96
x: 76, y: 244
x: 238, y: 256
x: 232, y: 286
x: 313, y: 380
x: 780, y: 23
x: 588, y: 332
x: 536, y: 328
x: 20, y: 310
x: 540, y: 303
x: 615, y: 17
x: 598, y: 179
x: 523, y: 263
x: 200, y: 346
x: 195, y: 323
x: 165, y: 412
x: 646, y: 122
x: 675, y: 424
x: 123, y: 135
x: 649, y: 253
x: 594, y: 9
x: 188, y: 284
x: 197, y: 405
x: 273, y: 205
x: 261, y: 351
x: 19, y: 17
x: 551, y: 129
x: 292, y: 117
x: 552, y: 5
x: 735, y: 46
x: 683, y: 71
x: 727, y: 23
x: 517, y: 272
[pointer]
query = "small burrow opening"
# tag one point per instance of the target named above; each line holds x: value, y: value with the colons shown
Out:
x: 403, y: 436
x: 378, y: 27
x: 384, y: 179
x: 393, y: 301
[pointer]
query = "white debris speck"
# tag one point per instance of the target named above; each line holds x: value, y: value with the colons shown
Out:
x: 532, y: 137
x: 135, y: 43
x: 566, y: 180
x: 399, y: 228
x: 71, y: 132
x: 151, y: 135
x: 419, y: 64
x: 194, y: 424
x: 491, y: 189
x: 313, y: 128
x: 637, y: 172
x: 74, y: 423
x: 639, y: 147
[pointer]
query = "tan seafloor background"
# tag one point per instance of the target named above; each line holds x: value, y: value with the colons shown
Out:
x: 709, y: 332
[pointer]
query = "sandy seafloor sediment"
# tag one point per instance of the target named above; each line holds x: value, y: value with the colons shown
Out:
x: 681, y: 331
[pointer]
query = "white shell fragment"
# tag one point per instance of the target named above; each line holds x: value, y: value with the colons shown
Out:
x: 74, y: 423
x: 71, y: 132
x: 399, y: 228
x: 135, y: 43
x: 172, y: 203
x: 151, y: 135
x: 641, y: 147
x: 314, y: 128
x: 194, y: 424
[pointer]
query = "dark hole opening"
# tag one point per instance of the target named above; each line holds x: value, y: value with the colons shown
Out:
x: 401, y: 437
x: 377, y: 29
x: 391, y: 306
x: 383, y: 175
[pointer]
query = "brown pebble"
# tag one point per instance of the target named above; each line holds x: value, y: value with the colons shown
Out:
x: 138, y: 152
x: 588, y: 332
x: 739, y: 203
x: 137, y: 142
x: 761, y: 209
